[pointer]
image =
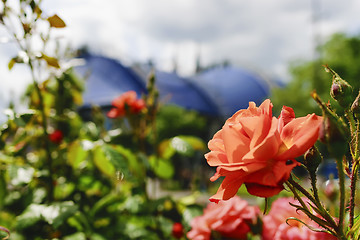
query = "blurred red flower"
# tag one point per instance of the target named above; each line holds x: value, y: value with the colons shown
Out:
x: 177, y: 230
x: 56, y: 136
x: 275, y: 226
x: 230, y: 219
x: 126, y: 103
x: 258, y: 150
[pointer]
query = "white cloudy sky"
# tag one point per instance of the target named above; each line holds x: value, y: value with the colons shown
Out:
x: 259, y: 34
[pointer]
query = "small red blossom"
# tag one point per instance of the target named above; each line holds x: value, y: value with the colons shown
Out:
x: 126, y: 103
x: 56, y: 136
x: 177, y: 230
x: 259, y: 150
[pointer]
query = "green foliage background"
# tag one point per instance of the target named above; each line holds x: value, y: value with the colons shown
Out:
x: 342, y: 54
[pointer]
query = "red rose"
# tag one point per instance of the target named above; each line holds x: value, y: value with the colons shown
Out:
x: 177, y: 230
x: 258, y: 150
x: 56, y: 136
x: 126, y: 102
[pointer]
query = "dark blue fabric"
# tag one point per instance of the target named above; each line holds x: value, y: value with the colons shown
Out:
x: 217, y: 92
x: 106, y: 79
x: 232, y: 88
x: 180, y: 91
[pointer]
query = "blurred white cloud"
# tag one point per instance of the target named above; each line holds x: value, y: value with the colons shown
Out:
x: 261, y: 34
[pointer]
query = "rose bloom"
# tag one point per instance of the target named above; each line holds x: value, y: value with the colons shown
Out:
x: 276, y: 228
x: 258, y: 150
x: 56, y: 136
x: 230, y: 219
x: 126, y: 102
x: 177, y: 230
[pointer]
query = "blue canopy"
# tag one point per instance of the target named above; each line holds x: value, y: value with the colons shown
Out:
x: 232, y: 88
x: 106, y: 79
x: 180, y: 91
x: 218, y: 92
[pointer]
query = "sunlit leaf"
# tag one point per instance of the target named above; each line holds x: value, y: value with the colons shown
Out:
x: 63, y: 190
x: 165, y: 149
x: 54, y: 214
x: 76, y: 236
x: 134, y: 164
x: 76, y: 154
x: 20, y: 175
x: 184, y: 145
x: 117, y: 159
x: 104, y: 202
x: 354, y: 232
x: 51, y: 61
x: 12, y: 63
x: 103, y: 163
x: 162, y: 168
x: 195, y: 142
x: 56, y: 22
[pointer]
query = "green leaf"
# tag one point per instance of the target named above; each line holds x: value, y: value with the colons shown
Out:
x: 63, y: 190
x: 133, y: 164
x: 51, y: 61
x: 12, y: 63
x: 76, y: 236
x: 195, y: 142
x: 56, y: 22
x: 76, y: 154
x: 80, y: 222
x: 162, y: 168
x: 54, y: 214
x: 20, y: 175
x: 116, y: 158
x: 102, y: 162
x: 191, y: 212
x: 354, y: 232
x: 104, y: 202
x: 184, y: 145
x: 3, y: 188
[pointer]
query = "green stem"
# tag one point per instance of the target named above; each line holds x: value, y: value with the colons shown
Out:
x: 326, y: 225
x: 353, y: 179
x: 50, y: 187
x: 324, y: 213
x: 339, y: 164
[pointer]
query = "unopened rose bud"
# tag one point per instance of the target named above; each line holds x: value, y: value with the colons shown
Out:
x: 312, y: 159
x: 335, y: 90
x: 340, y: 89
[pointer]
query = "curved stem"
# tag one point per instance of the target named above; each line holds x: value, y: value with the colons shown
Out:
x: 325, y: 214
x: 325, y: 224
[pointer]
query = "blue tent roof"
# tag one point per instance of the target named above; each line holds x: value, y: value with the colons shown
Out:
x: 232, y: 88
x: 219, y: 91
x: 106, y: 79
x: 181, y: 91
